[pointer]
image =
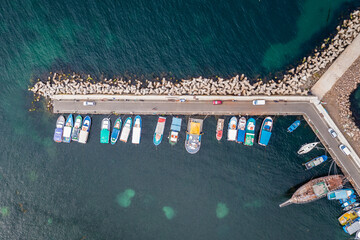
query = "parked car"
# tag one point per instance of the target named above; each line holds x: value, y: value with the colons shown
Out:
x: 332, y: 132
x: 182, y: 100
x: 87, y: 103
x: 259, y: 102
x: 344, y: 149
x: 217, y: 102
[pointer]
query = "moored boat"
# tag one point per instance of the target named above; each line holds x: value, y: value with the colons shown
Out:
x: 232, y: 129
x: 126, y: 130
x: 174, y: 130
x: 293, y: 126
x: 241, y: 130
x: 315, y: 189
x: 307, y: 147
x: 77, y: 128
x: 349, y: 216
x: 220, y: 128
x: 352, y: 227
x: 250, y: 132
x: 116, y: 131
x: 105, y: 130
x: 58, y: 134
x: 159, y: 130
x: 193, y: 135
x: 68, y: 129
x: 315, y: 162
x: 136, y: 135
x: 265, y: 132
x: 85, y: 130
x: 340, y: 194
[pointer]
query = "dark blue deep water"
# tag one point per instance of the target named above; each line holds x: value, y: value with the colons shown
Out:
x: 226, y: 191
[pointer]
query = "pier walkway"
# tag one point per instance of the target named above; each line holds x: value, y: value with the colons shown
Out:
x: 308, y: 106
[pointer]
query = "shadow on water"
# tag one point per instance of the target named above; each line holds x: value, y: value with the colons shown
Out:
x: 355, y: 105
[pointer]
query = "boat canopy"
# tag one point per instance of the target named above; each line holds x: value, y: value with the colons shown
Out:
x: 265, y: 137
x: 176, y: 124
x: 320, y: 189
x: 195, y: 128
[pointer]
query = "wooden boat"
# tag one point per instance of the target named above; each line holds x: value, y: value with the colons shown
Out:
x: 116, y: 131
x: 265, y: 132
x: 58, y: 134
x: 232, y: 129
x: 241, y: 130
x: 293, y: 126
x: 77, y: 128
x: 85, y: 130
x: 220, y: 128
x: 307, y: 147
x: 315, y: 189
x: 68, y: 129
x: 159, y: 131
x: 126, y: 130
x: 250, y: 132
x: 315, y: 162
x: 174, y: 130
x: 105, y: 130
x: 193, y: 135
x: 136, y: 135
x: 349, y: 216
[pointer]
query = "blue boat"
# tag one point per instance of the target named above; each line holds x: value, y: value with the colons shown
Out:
x: 293, y: 126
x: 85, y: 130
x: 68, y: 129
x: 340, y: 194
x: 315, y: 162
x: 265, y: 132
x: 352, y: 227
x: 159, y: 131
x: 116, y: 131
x: 240, y: 138
x: 348, y: 202
x: 60, y: 122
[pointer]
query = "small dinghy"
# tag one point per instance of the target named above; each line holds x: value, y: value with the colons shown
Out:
x: 60, y: 122
x: 307, y: 147
x: 77, y: 128
x: 293, y: 126
x: 68, y: 129
x: 116, y: 131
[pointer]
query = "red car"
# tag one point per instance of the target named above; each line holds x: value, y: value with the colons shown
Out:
x: 217, y: 102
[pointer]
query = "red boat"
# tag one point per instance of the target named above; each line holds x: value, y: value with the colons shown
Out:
x: 219, y: 129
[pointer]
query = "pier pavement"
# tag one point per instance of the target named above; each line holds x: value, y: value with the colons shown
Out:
x: 308, y: 106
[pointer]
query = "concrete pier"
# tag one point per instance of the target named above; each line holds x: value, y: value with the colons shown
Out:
x: 307, y: 106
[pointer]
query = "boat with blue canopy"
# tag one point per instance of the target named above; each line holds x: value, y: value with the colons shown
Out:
x: 174, y: 130
x: 340, y: 194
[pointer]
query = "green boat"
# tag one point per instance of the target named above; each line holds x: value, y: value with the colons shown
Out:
x: 105, y: 130
x: 250, y: 132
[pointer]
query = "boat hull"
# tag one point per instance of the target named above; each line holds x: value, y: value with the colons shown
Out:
x: 125, y: 133
x: 265, y: 132
x: 159, y: 131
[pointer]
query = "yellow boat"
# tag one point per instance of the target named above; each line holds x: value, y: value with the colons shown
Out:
x: 349, y: 216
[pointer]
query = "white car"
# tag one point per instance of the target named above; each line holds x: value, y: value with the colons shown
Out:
x: 332, y: 132
x: 89, y: 103
x: 259, y: 102
x: 344, y: 149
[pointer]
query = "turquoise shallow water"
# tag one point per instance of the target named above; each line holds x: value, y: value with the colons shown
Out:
x: 226, y: 191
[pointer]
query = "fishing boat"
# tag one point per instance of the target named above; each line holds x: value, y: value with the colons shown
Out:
x: 77, y: 128
x: 116, y: 131
x: 193, y: 135
x: 241, y: 130
x: 349, y: 216
x: 232, y: 129
x: 315, y: 162
x: 126, y: 130
x: 159, y: 130
x: 250, y: 132
x: 105, y: 130
x: 60, y: 122
x: 350, y: 201
x: 174, y: 130
x: 352, y: 227
x: 136, y: 135
x: 351, y: 206
x: 265, y: 132
x: 340, y: 194
x: 220, y: 128
x: 68, y: 129
x: 315, y: 189
x: 85, y: 130
x: 307, y: 147
x: 293, y: 126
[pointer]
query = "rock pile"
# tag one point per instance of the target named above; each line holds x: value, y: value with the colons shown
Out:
x: 293, y: 82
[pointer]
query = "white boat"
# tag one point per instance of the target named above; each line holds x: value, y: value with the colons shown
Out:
x: 232, y: 129
x: 85, y: 130
x: 126, y: 130
x: 307, y: 147
x: 136, y: 135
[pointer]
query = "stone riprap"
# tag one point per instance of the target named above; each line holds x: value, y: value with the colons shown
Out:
x: 294, y: 82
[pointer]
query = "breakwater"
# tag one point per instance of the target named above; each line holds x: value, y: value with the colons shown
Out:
x: 296, y: 81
